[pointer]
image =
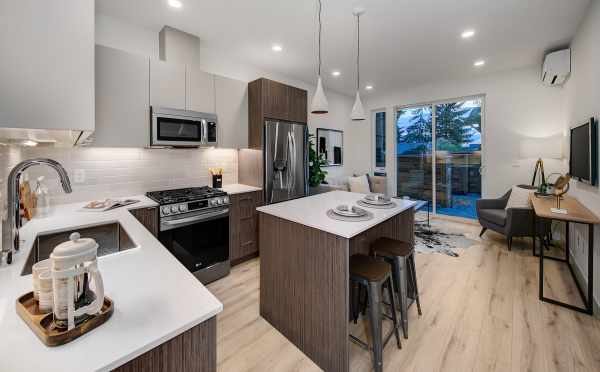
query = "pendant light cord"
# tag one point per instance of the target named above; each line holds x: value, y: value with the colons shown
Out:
x: 320, y: 6
x: 357, y: 52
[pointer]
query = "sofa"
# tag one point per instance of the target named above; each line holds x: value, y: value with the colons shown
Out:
x: 377, y: 184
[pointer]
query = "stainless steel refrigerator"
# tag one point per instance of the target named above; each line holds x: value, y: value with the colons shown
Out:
x: 286, y: 161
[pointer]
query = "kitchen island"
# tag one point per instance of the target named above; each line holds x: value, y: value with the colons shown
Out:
x: 164, y: 318
x: 304, y: 276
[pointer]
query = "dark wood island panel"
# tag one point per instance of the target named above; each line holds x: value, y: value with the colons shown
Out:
x: 194, y: 350
x: 304, y: 288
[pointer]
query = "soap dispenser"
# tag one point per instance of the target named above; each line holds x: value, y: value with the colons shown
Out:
x: 43, y: 199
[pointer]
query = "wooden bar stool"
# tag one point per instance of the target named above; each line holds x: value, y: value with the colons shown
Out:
x: 375, y: 276
x: 401, y: 255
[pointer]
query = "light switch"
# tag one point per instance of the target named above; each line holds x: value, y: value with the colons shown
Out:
x: 79, y: 175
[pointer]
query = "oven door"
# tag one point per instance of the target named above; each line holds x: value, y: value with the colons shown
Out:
x: 198, y: 240
x: 172, y: 130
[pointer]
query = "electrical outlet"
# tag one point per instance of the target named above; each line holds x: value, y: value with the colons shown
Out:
x: 79, y: 175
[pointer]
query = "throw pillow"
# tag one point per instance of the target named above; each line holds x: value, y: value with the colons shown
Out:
x: 519, y: 198
x: 359, y: 184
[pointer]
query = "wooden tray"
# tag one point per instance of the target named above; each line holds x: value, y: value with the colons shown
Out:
x: 42, y: 324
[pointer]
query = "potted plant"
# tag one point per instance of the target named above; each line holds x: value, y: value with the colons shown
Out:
x: 316, y: 175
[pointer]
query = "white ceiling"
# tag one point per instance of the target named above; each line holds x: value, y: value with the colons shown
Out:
x: 403, y: 43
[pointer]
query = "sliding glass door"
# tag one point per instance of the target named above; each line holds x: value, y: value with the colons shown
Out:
x: 414, y: 152
x: 452, y: 183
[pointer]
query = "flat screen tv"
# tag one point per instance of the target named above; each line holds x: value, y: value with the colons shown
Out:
x: 583, y: 159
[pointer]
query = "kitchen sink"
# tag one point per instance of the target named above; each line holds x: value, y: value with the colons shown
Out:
x: 111, y: 238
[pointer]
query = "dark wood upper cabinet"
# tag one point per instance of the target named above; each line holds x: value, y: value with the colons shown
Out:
x: 298, y: 105
x: 268, y: 99
x: 276, y: 100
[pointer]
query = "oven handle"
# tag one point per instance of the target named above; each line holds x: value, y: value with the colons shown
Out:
x: 172, y: 224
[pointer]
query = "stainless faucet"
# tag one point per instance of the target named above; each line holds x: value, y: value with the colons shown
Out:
x: 12, y: 223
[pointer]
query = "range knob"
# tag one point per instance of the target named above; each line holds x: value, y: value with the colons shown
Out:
x: 166, y: 210
x: 219, y: 201
x: 182, y: 207
x: 226, y: 200
x: 213, y: 201
x: 174, y: 209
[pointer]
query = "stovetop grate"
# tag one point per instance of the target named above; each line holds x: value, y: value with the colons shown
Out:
x: 184, y: 195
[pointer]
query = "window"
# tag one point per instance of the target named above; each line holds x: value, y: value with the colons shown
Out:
x: 380, y: 141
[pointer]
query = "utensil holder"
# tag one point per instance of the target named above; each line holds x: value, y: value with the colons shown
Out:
x: 217, y: 181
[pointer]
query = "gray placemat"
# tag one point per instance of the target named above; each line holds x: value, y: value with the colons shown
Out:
x: 367, y: 205
x: 334, y: 216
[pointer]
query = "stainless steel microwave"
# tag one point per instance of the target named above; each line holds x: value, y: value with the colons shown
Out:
x: 182, y: 128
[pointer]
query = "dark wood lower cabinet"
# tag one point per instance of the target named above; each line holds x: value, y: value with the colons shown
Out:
x: 148, y: 217
x: 304, y: 283
x: 243, y: 226
x: 192, y: 351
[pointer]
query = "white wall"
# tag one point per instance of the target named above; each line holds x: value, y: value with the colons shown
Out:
x: 583, y: 102
x: 115, y: 33
x: 517, y: 106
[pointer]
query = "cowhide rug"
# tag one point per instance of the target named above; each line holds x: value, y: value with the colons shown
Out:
x: 432, y: 239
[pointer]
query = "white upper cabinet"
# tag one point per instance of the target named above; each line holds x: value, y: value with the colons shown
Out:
x: 167, y: 84
x: 122, y: 99
x: 231, y: 98
x: 200, y: 90
x: 47, y: 64
x: 128, y: 84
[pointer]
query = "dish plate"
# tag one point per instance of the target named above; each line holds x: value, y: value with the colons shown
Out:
x: 349, y: 211
x: 379, y: 202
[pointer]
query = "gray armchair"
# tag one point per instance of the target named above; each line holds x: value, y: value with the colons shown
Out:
x: 512, y: 222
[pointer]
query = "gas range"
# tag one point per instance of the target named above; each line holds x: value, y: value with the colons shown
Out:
x: 180, y: 201
x: 194, y: 227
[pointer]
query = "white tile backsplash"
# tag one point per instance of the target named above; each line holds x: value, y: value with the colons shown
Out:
x: 114, y: 172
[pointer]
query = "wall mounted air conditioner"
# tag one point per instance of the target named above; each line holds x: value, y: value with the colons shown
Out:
x: 557, y: 67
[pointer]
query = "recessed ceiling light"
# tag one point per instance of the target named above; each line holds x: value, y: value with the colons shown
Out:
x: 467, y: 34
x: 335, y: 73
x: 175, y: 3
x: 479, y: 63
x: 369, y: 87
x: 277, y: 48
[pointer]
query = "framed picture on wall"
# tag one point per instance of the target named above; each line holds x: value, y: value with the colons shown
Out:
x: 330, y: 144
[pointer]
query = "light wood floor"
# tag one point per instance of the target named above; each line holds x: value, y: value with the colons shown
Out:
x: 480, y: 313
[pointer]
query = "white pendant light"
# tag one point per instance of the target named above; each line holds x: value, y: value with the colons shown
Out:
x: 319, y: 103
x: 358, y: 112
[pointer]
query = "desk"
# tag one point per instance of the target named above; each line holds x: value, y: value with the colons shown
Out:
x: 576, y: 213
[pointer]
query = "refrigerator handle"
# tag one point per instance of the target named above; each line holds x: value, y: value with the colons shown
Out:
x: 272, y: 165
x: 292, y: 159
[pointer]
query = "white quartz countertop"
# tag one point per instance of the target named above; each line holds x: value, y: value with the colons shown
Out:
x: 312, y: 211
x: 238, y: 188
x: 156, y: 298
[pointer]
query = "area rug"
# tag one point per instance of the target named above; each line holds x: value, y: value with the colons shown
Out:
x: 431, y: 239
